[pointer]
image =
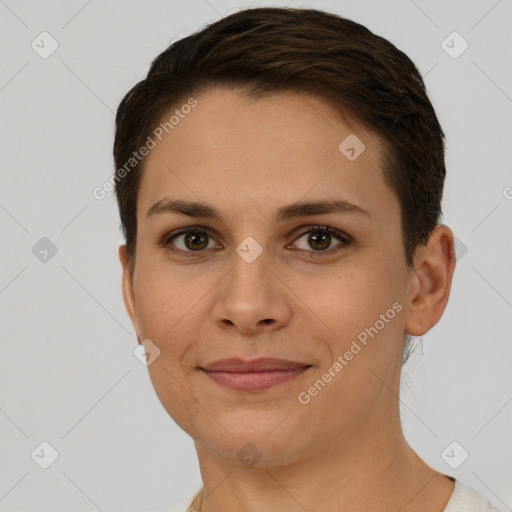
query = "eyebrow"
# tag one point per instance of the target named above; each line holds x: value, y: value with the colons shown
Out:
x: 300, y: 209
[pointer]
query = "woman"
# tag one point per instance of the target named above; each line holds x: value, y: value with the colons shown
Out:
x: 279, y: 178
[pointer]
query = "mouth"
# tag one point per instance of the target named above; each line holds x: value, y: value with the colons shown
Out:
x: 256, y: 375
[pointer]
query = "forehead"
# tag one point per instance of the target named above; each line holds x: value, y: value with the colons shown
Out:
x: 251, y: 156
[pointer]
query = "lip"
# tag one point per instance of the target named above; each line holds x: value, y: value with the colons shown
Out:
x: 255, y: 375
x: 262, y: 364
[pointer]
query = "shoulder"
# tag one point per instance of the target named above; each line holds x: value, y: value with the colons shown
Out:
x: 184, y: 504
x: 466, y: 499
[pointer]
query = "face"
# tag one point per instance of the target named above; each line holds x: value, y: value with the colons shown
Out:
x: 252, y: 274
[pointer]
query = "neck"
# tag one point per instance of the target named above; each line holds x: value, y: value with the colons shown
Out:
x: 376, y: 470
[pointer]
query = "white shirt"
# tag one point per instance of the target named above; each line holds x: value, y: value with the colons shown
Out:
x: 463, y: 499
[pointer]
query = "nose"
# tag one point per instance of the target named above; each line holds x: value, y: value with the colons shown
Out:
x: 252, y: 298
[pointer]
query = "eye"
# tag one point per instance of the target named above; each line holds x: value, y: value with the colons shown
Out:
x: 317, y: 239
x: 188, y: 240
x: 320, y: 238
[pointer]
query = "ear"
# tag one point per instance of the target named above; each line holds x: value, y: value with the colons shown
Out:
x: 128, y: 293
x: 431, y: 281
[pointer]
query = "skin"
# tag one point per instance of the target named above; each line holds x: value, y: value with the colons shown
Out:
x: 247, y: 158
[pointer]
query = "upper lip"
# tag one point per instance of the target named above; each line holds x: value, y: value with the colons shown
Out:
x: 234, y: 364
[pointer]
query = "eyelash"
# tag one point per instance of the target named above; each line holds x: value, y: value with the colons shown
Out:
x: 165, y: 241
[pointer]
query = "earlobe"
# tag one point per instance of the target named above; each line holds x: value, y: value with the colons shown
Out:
x: 127, y: 288
x: 431, y: 280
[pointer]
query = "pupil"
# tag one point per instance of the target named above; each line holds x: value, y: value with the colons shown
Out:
x: 195, y: 241
x: 322, y: 239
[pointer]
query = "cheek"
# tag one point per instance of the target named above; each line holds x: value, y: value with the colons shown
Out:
x: 349, y: 300
x: 363, y: 310
x: 164, y: 301
x: 174, y: 310
x: 364, y: 313
x: 169, y: 308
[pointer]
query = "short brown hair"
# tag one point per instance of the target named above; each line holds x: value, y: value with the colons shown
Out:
x: 268, y: 50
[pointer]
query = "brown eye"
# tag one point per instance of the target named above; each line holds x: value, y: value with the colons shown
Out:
x: 321, y: 239
x: 189, y: 240
x: 195, y: 240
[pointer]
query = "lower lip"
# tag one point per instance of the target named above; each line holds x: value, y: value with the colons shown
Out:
x: 254, y: 381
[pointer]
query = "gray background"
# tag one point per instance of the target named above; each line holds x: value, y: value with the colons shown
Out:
x: 68, y: 375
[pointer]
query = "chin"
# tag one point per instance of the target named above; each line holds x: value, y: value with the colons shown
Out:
x: 252, y: 451
x: 263, y: 440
